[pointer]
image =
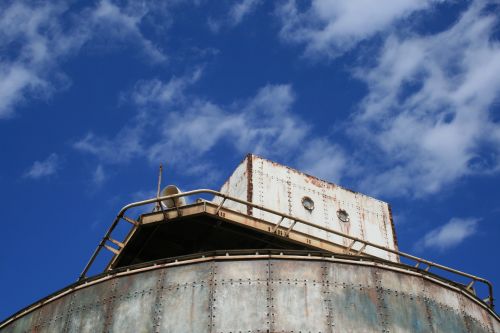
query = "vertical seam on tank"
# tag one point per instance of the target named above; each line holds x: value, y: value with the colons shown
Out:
x: 158, y: 305
x: 109, y: 313
x: 464, y: 314
x: 69, y: 312
x: 249, y: 183
x: 382, y: 302
x: 426, y: 301
x: 211, y: 295
x: 325, y: 286
x: 270, y: 294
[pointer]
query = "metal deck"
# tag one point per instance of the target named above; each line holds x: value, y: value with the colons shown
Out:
x: 275, y: 228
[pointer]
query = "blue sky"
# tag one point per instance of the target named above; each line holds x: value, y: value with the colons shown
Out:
x: 398, y: 99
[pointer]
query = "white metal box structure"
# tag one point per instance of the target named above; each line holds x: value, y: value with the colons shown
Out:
x: 328, y: 205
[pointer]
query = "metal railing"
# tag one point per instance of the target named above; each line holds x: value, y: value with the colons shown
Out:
x: 489, y: 301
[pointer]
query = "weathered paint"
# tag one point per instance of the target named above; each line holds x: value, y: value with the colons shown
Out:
x: 249, y: 294
x: 239, y: 183
x: 282, y: 189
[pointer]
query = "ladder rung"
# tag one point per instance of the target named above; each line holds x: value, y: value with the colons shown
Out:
x: 290, y: 228
x: 129, y: 220
x: 112, y: 249
x: 119, y: 244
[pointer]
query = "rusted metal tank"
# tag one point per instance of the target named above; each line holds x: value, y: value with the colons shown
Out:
x: 240, y: 263
x: 260, y: 293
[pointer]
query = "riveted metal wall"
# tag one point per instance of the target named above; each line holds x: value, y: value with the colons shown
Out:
x: 282, y: 189
x: 261, y: 295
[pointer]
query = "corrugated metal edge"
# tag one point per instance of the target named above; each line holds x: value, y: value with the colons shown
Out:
x: 393, y: 226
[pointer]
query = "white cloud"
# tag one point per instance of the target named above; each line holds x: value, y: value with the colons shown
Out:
x: 261, y: 124
x: 329, y: 28
x: 175, y: 126
x: 448, y: 235
x: 241, y: 9
x: 149, y: 92
x: 39, y: 36
x: 99, y: 175
x: 122, y: 148
x: 323, y: 159
x: 429, y: 108
x: 44, y: 168
x: 236, y: 14
x: 123, y: 23
x: 35, y: 40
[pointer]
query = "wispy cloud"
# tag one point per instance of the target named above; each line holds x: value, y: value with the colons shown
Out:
x: 448, y: 235
x: 45, y: 168
x: 235, y: 15
x: 122, y: 23
x: 99, y: 176
x: 38, y: 40
x: 40, y: 36
x: 158, y: 93
x: 330, y: 28
x: 426, y: 119
x: 323, y: 159
x: 184, y: 128
x: 428, y: 113
x: 122, y: 148
x: 241, y: 9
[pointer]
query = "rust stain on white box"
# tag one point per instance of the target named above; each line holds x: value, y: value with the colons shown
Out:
x: 325, y: 204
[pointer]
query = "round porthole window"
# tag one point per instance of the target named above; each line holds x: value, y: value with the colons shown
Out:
x: 342, y: 215
x: 308, y: 203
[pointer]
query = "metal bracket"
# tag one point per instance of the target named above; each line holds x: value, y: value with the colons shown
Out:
x: 132, y: 221
x: 290, y: 228
x: 112, y: 249
x: 277, y: 225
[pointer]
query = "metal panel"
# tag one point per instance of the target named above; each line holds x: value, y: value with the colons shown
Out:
x: 24, y: 324
x: 356, y: 304
x: 186, y: 297
x: 443, y: 305
x: 405, y: 294
x: 92, y: 307
x: 354, y: 308
x: 134, y: 304
x: 240, y: 296
x: 476, y: 318
x: 186, y: 308
x: 54, y: 316
x: 240, y: 306
x: 297, y: 296
x: 237, y: 184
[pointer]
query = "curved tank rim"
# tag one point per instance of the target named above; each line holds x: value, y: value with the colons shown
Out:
x: 252, y: 254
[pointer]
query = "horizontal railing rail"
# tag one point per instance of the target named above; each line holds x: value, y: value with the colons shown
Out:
x: 295, y: 220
